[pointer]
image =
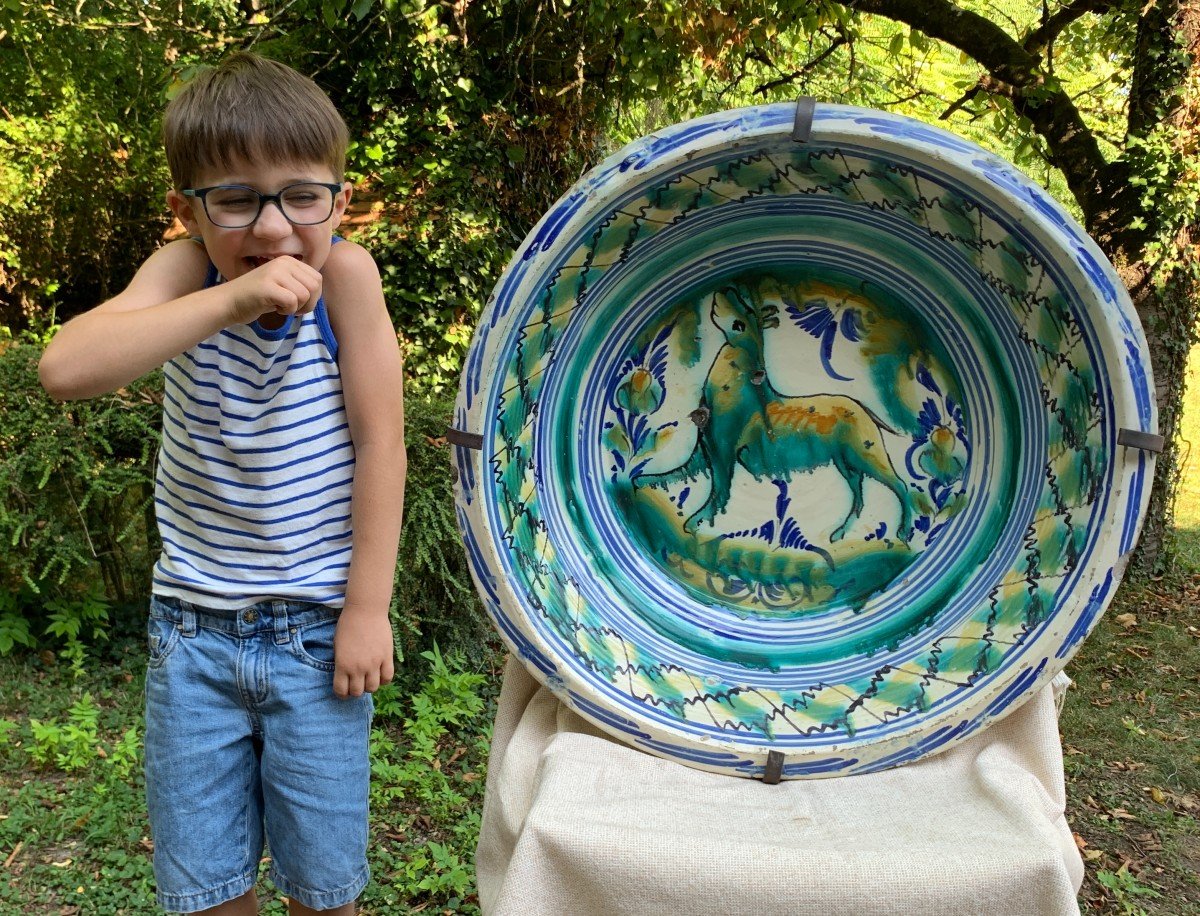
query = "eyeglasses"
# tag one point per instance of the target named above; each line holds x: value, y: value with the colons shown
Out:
x: 233, y: 206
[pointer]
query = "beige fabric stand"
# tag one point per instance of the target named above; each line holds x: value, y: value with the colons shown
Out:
x: 576, y: 823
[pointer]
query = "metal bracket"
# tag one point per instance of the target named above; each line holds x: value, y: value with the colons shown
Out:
x: 463, y: 438
x: 806, y: 106
x: 1147, y: 442
x: 773, y: 771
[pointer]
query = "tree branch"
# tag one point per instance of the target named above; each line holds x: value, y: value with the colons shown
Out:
x: 803, y: 71
x: 1012, y: 68
x: 1040, y: 38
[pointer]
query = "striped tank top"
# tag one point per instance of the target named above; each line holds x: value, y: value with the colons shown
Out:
x: 252, y: 488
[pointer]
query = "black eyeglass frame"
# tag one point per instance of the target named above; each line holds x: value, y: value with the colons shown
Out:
x: 201, y: 194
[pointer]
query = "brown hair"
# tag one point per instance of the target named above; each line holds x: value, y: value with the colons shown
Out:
x: 251, y: 108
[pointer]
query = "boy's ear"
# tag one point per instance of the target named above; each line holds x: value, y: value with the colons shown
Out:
x: 341, y: 202
x: 184, y: 208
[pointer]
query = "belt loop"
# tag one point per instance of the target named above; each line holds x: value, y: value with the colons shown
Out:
x: 279, y: 611
x: 187, y: 622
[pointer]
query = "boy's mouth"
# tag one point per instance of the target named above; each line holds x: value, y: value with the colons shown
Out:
x: 260, y: 260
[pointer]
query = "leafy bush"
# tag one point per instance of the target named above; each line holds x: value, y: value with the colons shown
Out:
x: 428, y: 773
x: 76, y: 516
x: 435, y: 602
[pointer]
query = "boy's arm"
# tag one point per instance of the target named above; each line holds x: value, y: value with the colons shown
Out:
x: 163, y: 312
x: 372, y: 383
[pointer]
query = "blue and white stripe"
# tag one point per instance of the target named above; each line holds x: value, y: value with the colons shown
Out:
x: 255, y: 471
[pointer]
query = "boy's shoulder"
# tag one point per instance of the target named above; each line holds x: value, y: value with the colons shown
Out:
x: 186, y: 251
x: 349, y: 261
x: 350, y: 280
x: 171, y: 272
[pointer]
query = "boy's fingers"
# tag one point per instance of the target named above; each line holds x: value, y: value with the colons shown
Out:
x: 371, y: 684
x: 388, y: 672
x: 341, y: 685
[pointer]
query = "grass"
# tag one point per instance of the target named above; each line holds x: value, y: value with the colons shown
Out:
x: 1131, y: 754
x: 1131, y: 722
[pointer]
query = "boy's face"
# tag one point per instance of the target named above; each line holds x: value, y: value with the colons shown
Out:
x: 238, y: 251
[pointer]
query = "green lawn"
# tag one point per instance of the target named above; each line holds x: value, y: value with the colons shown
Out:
x: 1187, y: 504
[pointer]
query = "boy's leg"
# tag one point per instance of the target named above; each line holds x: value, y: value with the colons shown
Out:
x: 315, y: 766
x: 202, y: 785
x: 245, y: 905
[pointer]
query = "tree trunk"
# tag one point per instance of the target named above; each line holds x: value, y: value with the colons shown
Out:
x: 1165, y: 294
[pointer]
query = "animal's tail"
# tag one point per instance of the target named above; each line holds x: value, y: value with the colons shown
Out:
x: 886, y: 427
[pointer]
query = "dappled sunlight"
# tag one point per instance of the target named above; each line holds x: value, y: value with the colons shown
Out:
x: 1187, y: 504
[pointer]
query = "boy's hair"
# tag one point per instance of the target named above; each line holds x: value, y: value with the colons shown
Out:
x: 255, y: 109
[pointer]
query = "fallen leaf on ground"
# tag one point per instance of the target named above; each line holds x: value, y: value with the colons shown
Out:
x: 1149, y: 842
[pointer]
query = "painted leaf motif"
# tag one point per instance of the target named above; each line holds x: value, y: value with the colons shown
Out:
x: 827, y: 339
x: 828, y: 172
x: 755, y: 175
x: 852, y: 325
x: 815, y: 317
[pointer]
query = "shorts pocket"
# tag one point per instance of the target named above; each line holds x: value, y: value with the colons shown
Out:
x: 313, y: 644
x: 162, y: 636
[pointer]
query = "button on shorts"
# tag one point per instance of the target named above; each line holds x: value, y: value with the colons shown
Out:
x: 245, y: 741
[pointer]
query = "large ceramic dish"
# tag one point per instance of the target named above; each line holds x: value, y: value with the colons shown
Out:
x: 806, y: 447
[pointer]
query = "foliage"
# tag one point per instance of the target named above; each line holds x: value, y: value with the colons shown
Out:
x: 70, y: 745
x: 81, y: 165
x: 77, y: 488
x: 434, y: 600
x: 470, y: 118
x: 78, y: 622
x: 14, y: 627
x: 418, y: 772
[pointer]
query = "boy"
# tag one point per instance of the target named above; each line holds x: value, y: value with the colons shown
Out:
x: 282, y: 436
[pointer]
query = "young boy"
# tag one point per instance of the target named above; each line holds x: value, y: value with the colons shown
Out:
x: 279, y: 492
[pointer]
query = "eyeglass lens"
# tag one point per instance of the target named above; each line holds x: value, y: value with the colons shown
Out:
x: 236, y: 208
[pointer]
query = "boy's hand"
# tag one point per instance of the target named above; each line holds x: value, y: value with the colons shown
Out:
x: 283, y: 285
x: 362, y: 652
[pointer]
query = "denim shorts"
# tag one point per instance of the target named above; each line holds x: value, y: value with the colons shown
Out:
x: 246, y: 742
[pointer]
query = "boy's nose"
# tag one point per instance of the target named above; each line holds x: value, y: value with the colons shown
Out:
x: 271, y: 222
